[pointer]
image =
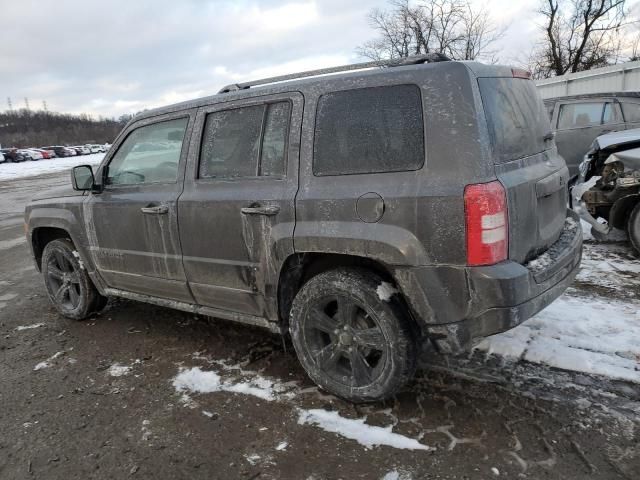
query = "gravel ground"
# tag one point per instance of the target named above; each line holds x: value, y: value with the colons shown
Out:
x: 147, y: 392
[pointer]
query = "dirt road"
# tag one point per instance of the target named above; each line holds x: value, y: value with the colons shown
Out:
x: 147, y: 392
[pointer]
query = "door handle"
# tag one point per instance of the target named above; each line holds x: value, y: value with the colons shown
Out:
x: 268, y: 210
x: 156, y: 210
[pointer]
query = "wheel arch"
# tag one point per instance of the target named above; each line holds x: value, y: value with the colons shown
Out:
x: 298, y: 268
x: 41, y: 236
x: 621, y: 210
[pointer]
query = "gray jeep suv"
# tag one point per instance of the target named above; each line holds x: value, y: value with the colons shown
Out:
x: 364, y: 213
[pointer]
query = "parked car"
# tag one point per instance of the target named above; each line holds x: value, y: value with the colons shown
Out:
x: 13, y: 155
x: 59, y: 150
x: 2, y: 159
x: 94, y: 148
x: 35, y: 154
x: 366, y: 214
x: 82, y: 150
x: 29, y: 155
x: 577, y: 120
x: 72, y: 151
x: 609, y: 185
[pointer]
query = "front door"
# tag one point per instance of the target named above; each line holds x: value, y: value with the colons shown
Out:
x: 236, y: 213
x: 132, y: 225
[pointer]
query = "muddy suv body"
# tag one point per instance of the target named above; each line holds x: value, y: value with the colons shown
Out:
x: 365, y: 213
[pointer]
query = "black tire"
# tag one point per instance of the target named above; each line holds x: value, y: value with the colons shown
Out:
x: 633, y: 227
x: 68, y: 284
x: 351, y: 342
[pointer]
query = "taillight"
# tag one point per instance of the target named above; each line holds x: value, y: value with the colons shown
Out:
x: 485, y: 208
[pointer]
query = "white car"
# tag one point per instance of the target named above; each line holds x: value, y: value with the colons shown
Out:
x: 94, y: 148
x: 33, y: 154
x: 2, y: 159
x: 83, y: 149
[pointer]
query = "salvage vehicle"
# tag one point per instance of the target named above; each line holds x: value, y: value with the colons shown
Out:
x: 578, y: 119
x: 608, y: 187
x: 368, y: 214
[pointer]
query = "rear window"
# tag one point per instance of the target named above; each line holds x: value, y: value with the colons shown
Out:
x: 369, y: 130
x: 516, y: 117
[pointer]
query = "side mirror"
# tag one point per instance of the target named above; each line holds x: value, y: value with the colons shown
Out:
x: 82, y: 178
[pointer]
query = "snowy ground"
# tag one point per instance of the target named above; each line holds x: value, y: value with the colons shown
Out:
x: 593, y: 328
x: 10, y: 171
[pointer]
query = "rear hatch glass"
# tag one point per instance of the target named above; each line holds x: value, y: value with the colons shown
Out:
x: 516, y: 117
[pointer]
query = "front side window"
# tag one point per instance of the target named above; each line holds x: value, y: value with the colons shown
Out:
x: 150, y: 154
x: 369, y: 130
x: 245, y: 142
x: 576, y: 115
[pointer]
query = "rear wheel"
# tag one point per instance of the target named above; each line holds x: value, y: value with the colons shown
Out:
x: 69, y: 287
x: 633, y: 227
x: 352, y: 338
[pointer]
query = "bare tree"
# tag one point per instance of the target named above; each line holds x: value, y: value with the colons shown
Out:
x: 578, y: 35
x: 453, y: 27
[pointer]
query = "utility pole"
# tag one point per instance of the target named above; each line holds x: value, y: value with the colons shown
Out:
x: 26, y: 103
x: 44, y: 105
x: 9, y: 103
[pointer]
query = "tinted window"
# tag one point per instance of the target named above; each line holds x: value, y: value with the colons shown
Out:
x: 631, y: 112
x: 369, y: 130
x: 611, y: 114
x: 516, y: 117
x: 149, y: 154
x: 576, y: 115
x: 231, y: 144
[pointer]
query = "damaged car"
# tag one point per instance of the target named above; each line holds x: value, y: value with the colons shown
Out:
x: 607, y: 193
x: 367, y: 214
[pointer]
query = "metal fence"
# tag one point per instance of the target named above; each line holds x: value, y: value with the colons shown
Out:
x: 624, y: 77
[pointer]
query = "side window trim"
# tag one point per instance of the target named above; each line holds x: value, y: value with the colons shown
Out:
x: 255, y: 101
x: 590, y: 101
x: 122, y: 138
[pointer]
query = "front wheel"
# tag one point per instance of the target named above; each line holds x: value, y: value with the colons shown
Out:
x: 68, y: 284
x: 633, y: 227
x: 352, y: 336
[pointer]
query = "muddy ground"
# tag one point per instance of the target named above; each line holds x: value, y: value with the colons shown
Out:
x: 96, y: 399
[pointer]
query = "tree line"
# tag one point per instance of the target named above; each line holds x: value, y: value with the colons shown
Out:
x: 574, y: 35
x: 29, y: 128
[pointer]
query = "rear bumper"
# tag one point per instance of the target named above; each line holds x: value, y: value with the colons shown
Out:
x: 457, y: 305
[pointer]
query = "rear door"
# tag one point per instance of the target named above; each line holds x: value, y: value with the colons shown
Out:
x: 577, y: 124
x: 237, y: 212
x: 527, y: 164
x: 132, y: 225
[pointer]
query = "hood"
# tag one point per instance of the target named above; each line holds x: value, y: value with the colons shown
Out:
x: 617, y: 138
x: 58, y: 192
x: 629, y: 158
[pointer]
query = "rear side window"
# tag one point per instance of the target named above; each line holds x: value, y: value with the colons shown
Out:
x: 516, y: 117
x: 576, y: 115
x: 369, y: 130
x: 612, y: 114
x: 631, y: 112
x: 245, y: 142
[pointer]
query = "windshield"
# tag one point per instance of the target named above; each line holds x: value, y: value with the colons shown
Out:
x: 516, y: 117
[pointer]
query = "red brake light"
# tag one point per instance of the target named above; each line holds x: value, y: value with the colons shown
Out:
x: 518, y: 73
x: 485, y: 208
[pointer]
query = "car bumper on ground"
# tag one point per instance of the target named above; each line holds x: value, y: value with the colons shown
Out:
x: 489, y: 299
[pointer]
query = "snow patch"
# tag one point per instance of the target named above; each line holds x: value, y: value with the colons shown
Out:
x: 77, y: 255
x: 29, y: 327
x: 282, y: 446
x: 118, y: 370
x: 47, y: 362
x: 198, y: 381
x: 385, y: 291
x: 7, y: 244
x: 396, y: 475
x: 366, y: 435
x: 10, y: 171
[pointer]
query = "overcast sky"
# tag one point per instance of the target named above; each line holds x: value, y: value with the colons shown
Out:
x: 120, y: 56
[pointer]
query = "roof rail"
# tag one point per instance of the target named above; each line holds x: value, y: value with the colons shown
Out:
x: 397, y: 62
